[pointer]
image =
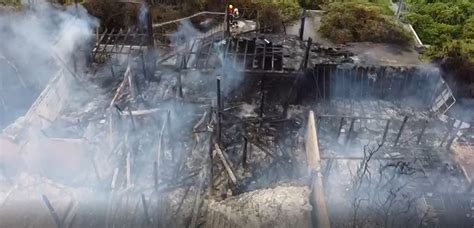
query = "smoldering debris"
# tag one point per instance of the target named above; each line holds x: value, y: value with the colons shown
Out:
x: 32, y: 40
x: 213, y: 132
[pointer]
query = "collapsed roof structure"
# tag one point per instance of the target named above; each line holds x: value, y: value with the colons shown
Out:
x: 241, y: 129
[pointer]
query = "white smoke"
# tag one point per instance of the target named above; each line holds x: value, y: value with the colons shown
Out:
x: 33, y: 41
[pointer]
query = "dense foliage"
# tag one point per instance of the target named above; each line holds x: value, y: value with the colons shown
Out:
x: 312, y: 4
x: 440, y: 21
x: 271, y: 13
x: 359, y: 21
x: 447, y: 26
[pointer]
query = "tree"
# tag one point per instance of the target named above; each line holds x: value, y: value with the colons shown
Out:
x: 359, y: 22
x: 468, y: 28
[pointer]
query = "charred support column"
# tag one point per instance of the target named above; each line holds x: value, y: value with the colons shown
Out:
x: 145, y: 75
x: 244, y: 153
x: 320, y: 216
x: 420, y: 136
x: 219, y: 109
x: 405, y: 119
x: 351, y: 128
x: 211, y: 158
x: 53, y: 213
x: 112, y: 70
x: 180, y: 85
x: 306, y: 55
x: 262, y: 99
x: 340, y: 127
x: 451, y: 126
x: 456, y: 131
x: 385, y: 132
x: 155, y: 174
x: 145, y: 210
x: 151, y: 40
x: 303, y: 19
x: 226, y: 18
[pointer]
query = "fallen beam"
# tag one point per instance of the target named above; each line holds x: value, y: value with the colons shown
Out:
x: 320, y: 213
x: 226, y: 164
x: 142, y: 112
x: 53, y: 213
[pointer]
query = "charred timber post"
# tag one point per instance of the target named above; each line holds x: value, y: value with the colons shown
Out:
x: 244, y: 154
x: 143, y: 66
x: 351, y: 128
x: 155, y: 174
x: 145, y: 209
x: 303, y: 19
x: 450, y: 142
x: 451, y: 126
x: 318, y: 201
x: 262, y: 99
x: 306, y: 55
x: 132, y: 120
x: 219, y: 109
x: 405, y: 119
x: 53, y: 213
x: 385, y: 132
x: 112, y: 70
x: 151, y: 40
x: 340, y: 127
x: 226, y: 20
x: 227, y: 167
x: 420, y: 136
x: 180, y: 85
x: 211, y: 165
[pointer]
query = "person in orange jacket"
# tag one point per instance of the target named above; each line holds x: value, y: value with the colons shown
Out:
x: 232, y: 13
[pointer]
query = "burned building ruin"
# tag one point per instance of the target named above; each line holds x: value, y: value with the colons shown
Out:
x: 202, y: 128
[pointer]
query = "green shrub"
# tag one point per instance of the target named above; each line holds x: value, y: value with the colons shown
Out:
x: 468, y: 28
x: 384, y: 5
x: 440, y: 21
x: 312, y: 4
x: 113, y: 14
x: 360, y: 22
x: 457, y: 57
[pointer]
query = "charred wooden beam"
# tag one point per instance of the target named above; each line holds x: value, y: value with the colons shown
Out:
x: 385, y: 132
x: 149, y: 29
x: 423, y: 129
x: 210, y: 153
x: 244, y: 153
x: 155, y: 175
x: 303, y: 19
x: 53, y: 213
x: 148, y: 220
x: 262, y: 98
x: 227, y: 167
x: 306, y: 56
x: 341, y: 124
x: 349, y: 133
x: 70, y: 214
x: 219, y: 110
x: 446, y: 135
x: 454, y: 135
x: 405, y: 119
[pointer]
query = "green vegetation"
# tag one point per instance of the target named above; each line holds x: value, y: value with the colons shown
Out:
x: 312, y: 4
x: 10, y: 2
x: 447, y: 26
x: 360, y: 21
x: 440, y: 21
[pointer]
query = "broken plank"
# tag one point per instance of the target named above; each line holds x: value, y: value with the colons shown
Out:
x: 226, y: 164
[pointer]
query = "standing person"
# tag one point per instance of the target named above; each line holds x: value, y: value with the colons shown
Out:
x: 230, y: 14
x: 233, y: 13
